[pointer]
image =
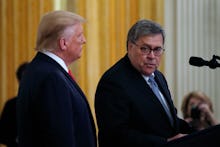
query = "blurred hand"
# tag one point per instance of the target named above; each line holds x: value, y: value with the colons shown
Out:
x: 176, y: 137
x: 207, y: 114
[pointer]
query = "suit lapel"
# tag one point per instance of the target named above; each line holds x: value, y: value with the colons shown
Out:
x: 74, y: 84
x: 164, y: 89
x: 146, y: 92
x: 144, y: 89
x: 46, y: 58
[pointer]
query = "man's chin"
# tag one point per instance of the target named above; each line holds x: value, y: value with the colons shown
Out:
x: 148, y: 73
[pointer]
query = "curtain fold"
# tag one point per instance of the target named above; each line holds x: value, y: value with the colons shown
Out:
x: 106, y: 30
x: 18, y: 26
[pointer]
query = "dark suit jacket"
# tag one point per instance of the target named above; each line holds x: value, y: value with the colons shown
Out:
x: 129, y: 114
x: 8, y: 129
x: 52, y: 109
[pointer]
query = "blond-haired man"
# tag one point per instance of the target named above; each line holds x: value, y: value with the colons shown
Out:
x: 52, y: 109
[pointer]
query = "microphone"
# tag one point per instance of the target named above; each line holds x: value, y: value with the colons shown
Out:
x: 197, y: 61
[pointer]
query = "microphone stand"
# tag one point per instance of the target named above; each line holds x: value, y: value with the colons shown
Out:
x: 213, y: 62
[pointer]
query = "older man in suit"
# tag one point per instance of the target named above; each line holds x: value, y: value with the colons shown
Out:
x: 52, y: 109
x: 133, y: 103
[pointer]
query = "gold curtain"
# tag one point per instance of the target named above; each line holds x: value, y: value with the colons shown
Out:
x: 106, y: 29
x: 19, y: 21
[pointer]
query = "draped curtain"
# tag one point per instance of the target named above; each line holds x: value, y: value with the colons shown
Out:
x: 106, y: 29
x: 19, y: 20
x: 108, y: 22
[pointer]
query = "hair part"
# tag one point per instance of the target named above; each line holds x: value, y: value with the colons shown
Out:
x: 144, y: 28
x: 52, y: 26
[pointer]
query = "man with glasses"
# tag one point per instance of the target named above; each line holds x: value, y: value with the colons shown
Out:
x: 133, y: 104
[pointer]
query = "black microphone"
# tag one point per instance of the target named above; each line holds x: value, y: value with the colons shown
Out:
x: 197, y: 61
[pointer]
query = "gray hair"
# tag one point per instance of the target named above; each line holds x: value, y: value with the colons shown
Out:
x: 143, y: 28
x: 52, y: 26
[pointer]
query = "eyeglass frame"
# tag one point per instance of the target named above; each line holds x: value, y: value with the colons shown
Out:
x: 147, y: 49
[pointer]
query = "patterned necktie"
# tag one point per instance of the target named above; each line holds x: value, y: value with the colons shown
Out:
x: 71, y: 75
x: 155, y: 89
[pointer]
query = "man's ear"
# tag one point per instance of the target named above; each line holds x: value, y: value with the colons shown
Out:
x: 130, y: 45
x: 62, y: 43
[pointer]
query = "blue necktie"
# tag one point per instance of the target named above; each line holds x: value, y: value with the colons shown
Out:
x: 155, y: 89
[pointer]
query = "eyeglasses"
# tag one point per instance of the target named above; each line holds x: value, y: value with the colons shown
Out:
x: 147, y: 50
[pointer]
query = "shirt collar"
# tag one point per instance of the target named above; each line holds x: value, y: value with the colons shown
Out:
x: 147, y: 77
x: 57, y: 59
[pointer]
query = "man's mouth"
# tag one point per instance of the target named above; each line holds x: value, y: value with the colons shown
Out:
x: 150, y: 64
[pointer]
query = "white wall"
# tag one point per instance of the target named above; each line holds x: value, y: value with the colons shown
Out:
x: 192, y: 29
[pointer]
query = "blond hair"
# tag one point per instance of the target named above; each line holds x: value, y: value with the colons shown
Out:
x: 194, y: 94
x: 52, y: 26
